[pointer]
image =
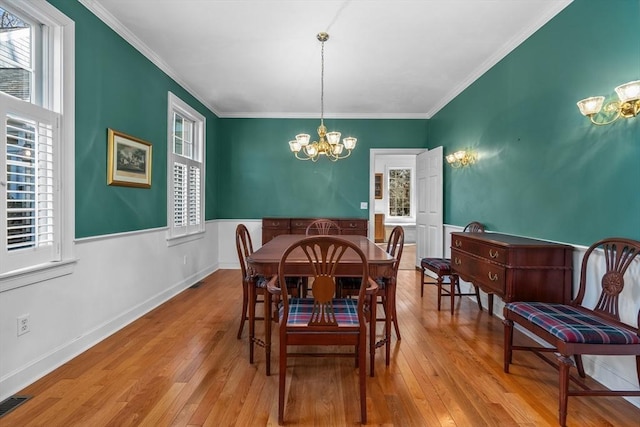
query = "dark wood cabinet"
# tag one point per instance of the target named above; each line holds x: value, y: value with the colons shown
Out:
x: 514, y: 268
x: 272, y: 227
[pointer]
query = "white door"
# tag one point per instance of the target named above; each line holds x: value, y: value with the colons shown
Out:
x: 429, y: 223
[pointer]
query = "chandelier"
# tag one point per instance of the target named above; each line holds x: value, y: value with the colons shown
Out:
x: 328, y: 143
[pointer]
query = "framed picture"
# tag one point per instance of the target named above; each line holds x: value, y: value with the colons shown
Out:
x: 377, y: 183
x: 129, y: 160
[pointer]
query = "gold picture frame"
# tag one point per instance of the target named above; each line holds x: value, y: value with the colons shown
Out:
x: 129, y: 160
x: 377, y: 185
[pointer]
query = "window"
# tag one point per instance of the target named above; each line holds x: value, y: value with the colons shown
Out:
x: 400, y: 193
x: 186, y: 169
x: 36, y: 140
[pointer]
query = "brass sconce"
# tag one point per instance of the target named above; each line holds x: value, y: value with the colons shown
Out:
x: 627, y: 105
x: 461, y: 158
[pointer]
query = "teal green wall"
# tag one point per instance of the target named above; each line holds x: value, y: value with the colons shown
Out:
x: 260, y: 177
x: 117, y: 87
x: 543, y: 169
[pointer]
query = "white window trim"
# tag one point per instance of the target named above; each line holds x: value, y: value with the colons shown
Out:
x: 401, y: 219
x: 63, y: 102
x: 178, y: 236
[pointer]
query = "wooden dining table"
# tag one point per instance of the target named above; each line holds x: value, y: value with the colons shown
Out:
x: 265, y: 261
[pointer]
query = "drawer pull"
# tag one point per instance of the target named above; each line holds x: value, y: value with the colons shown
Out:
x: 457, y: 261
x: 458, y: 243
x: 493, y: 254
x: 493, y: 278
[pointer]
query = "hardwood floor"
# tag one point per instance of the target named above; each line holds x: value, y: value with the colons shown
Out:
x: 181, y: 365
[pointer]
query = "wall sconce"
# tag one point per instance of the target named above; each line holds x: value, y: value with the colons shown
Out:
x: 461, y: 158
x: 627, y: 105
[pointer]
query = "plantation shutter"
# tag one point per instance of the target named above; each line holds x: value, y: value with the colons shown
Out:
x: 28, y: 184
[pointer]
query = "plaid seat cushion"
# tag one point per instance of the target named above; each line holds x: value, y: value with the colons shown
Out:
x: 440, y: 266
x: 300, y: 311
x: 572, y: 325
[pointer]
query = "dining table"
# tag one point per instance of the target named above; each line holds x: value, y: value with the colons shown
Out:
x: 266, y: 259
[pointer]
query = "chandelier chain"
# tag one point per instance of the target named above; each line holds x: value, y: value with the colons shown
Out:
x: 328, y: 144
x: 322, y: 84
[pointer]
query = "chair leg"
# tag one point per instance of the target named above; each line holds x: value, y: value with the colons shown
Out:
x: 282, y: 376
x: 245, y: 302
x: 439, y: 283
x: 267, y: 331
x: 252, y: 319
x: 453, y: 279
x: 579, y: 365
x: 395, y: 321
x: 387, y: 331
x: 363, y: 379
x: 508, y: 343
x: 422, y: 284
x: 565, y: 366
x: 372, y: 334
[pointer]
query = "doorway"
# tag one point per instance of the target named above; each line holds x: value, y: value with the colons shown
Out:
x: 382, y: 161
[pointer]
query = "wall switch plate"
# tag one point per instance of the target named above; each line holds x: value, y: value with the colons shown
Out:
x: 364, y: 205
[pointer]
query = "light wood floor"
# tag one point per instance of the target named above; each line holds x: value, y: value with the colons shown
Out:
x: 181, y: 365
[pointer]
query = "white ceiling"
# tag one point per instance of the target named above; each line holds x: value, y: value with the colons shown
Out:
x: 384, y: 58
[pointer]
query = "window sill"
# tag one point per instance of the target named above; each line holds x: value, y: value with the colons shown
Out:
x: 35, y: 274
x: 179, y: 240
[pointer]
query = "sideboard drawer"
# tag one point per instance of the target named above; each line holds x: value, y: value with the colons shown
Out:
x: 276, y: 223
x: 483, y: 250
x: 491, y: 277
x: 353, y: 226
x: 299, y: 225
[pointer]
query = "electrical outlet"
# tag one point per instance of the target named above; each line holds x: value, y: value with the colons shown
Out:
x: 364, y: 205
x: 184, y: 261
x: 23, y: 324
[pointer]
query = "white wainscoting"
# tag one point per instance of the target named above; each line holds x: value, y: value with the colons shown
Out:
x: 116, y: 279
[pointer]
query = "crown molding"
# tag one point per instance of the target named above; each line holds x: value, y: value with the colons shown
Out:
x: 112, y: 22
x: 517, y: 40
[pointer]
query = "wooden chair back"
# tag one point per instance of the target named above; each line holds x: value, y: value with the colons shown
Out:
x: 323, y: 255
x: 618, y: 254
x: 244, y: 247
x: 474, y: 227
x: 395, y: 246
x: 323, y: 227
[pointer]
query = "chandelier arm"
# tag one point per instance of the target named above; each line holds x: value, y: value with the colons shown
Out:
x: 617, y: 116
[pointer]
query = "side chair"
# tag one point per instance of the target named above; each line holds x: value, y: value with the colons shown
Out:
x: 574, y: 329
x: 387, y: 298
x: 253, y: 287
x: 441, y: 267
x: 322, y: 319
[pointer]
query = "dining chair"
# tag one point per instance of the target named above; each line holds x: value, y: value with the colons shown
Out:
x: 385, y: 296
x: 441, y: 267
x: 323, y: 227
x: 244, y: 247
x: 250, y: 280
x: 322, y: 319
